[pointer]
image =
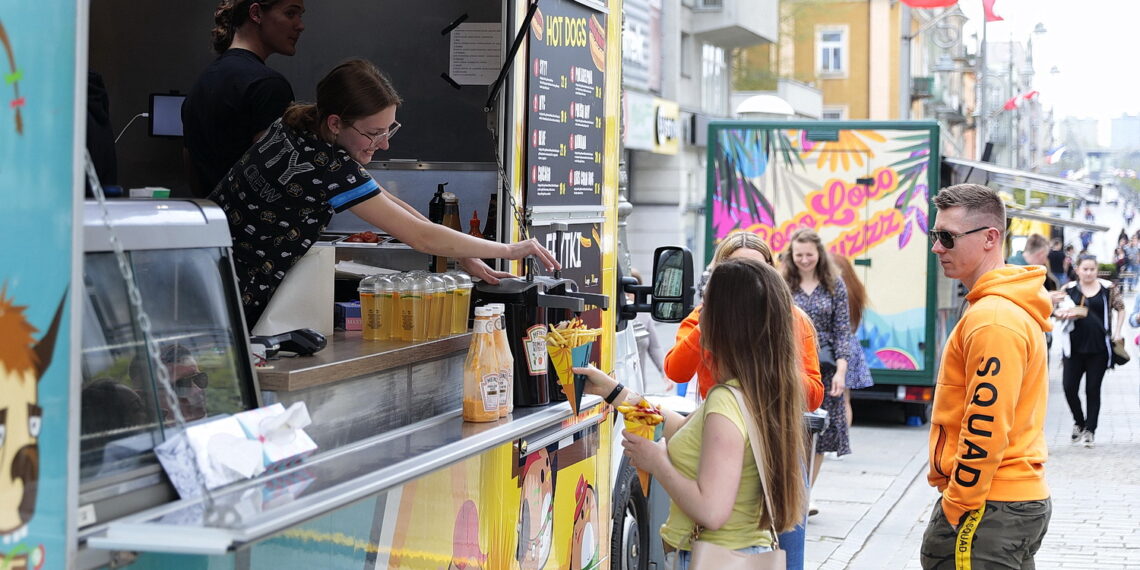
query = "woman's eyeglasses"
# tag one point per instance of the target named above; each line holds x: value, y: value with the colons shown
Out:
x: 376, y: 139
x: 947, y: 238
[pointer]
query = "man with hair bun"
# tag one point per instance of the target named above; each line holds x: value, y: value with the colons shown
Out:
x: 987, y: 441
x: 238, y: 96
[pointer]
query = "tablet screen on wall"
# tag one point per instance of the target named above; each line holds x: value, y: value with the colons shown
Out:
x: 166, y: 115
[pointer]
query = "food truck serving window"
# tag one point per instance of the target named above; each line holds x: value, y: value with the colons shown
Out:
x: 185, y: 293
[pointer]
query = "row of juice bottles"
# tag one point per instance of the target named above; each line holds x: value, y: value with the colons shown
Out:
x: 488, y: 372
x: 414, y: 306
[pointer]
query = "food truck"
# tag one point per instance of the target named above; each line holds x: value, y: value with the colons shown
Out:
x: 118, y: 315
x: 865, y: 187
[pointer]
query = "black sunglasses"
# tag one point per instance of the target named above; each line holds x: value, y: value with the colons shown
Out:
x: 947, y: 238
x: 201, y: 379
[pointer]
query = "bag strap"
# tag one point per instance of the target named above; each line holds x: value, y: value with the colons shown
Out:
x: 758, y: 455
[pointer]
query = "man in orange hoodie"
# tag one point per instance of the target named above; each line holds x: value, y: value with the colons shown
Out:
x: 987, y: 444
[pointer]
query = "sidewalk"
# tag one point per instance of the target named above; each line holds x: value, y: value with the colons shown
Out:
x: 874, y: 504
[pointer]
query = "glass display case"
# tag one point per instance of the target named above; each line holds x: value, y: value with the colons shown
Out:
x: 179, y: 260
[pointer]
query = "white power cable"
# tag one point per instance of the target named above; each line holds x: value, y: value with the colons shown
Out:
x: 129, y: 124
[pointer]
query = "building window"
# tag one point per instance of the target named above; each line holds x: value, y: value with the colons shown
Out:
x: 833, y: 113
x: 714, y: 80
x: 831, y: 51
x: 686, y: 55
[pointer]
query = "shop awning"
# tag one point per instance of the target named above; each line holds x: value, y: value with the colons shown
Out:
x: 1017, y: 183
x: 1014, y: 212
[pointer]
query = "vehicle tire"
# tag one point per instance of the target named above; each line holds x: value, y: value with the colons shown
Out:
x: 629, y: 541
x: 921, y: 411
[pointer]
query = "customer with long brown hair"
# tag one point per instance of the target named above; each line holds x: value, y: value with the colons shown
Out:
x: 818, y: 290
x: 858, y: 374
x: 706, y: 464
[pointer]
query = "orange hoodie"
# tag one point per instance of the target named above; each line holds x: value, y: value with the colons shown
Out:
x: 987, y: 438
x: 687, y: 357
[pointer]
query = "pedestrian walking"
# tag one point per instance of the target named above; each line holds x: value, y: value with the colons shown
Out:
x: 1058, y: 261
x: 818, y: 290
x: 1086, y: 343
x: 987, y: 442
x: 858, y: 374
x: 706, y: 463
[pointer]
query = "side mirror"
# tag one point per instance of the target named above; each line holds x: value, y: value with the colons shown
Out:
x: 672, y: 284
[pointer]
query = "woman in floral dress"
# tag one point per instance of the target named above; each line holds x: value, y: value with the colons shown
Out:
x: 818, y: 290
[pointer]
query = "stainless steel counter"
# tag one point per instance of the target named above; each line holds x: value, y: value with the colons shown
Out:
x: 335, y: 478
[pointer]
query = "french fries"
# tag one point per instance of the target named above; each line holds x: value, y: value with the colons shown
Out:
x: 561, y: 343
x: 571, y: 334
x: 641, y: 418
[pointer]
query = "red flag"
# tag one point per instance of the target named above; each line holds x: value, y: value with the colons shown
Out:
x: 990, y: 15
x: 929, y: 3
x: 1012, y: 103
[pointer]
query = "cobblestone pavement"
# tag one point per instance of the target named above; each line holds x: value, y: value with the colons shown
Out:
x: 874, y: 504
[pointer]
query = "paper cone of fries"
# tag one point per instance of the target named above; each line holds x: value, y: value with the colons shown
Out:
x: 643, y: 419
x: 569, y: 344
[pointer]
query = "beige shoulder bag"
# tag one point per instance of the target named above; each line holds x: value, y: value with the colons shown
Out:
x: 709, y: 556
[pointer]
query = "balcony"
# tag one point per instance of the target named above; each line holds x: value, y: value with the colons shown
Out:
x: 735, y: 23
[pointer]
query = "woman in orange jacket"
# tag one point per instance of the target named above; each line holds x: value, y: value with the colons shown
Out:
x: 687, y: 357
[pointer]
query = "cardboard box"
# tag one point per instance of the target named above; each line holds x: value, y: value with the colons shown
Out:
x: 346, y: 316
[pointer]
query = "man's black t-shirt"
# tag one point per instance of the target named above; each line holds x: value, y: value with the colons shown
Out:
x: 1056, y: 261
x: 235, y: 98
x: 278, y: 198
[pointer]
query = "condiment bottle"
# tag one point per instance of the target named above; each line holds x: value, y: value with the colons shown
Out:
x: 435, y: 294
x: 474, y: 224
x: 506, y: 359
x: 462, y: 302
x: 481, y: 373
x: 370, y: 323
x: 490, y: 229
x: 441, y: 264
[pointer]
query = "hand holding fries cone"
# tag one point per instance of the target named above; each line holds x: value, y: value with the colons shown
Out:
x: 562, y: 339
x: 641, y: 418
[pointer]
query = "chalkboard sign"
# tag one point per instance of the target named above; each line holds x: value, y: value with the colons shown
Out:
x: 565, y: 116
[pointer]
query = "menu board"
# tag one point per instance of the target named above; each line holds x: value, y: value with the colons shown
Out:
x: 565, y: 115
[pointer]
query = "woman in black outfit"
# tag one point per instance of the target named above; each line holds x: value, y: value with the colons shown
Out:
x: 1086, y: 344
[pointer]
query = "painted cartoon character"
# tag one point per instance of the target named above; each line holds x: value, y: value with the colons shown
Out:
x: 466, y: 551
x: 585, y: 553
x: 536, y: 514
x: 22, y: 365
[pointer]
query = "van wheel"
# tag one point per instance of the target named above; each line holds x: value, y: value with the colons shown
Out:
x: 920, y: 411
x: 629, y: 542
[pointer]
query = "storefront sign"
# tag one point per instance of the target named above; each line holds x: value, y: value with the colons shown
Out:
x: 650, y: 123
x: 39, y: 96
x: 565, y: 115
x: 641, y: 45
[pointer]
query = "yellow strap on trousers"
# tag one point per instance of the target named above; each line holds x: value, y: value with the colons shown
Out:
x: 965, y: 541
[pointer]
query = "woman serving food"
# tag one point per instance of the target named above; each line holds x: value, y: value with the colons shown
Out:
x: 309, y: 165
